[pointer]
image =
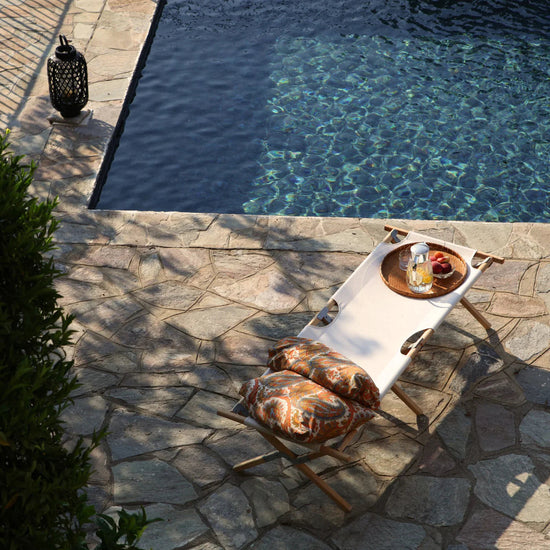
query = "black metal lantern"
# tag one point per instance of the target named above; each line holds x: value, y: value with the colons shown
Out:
x: 68, y: 79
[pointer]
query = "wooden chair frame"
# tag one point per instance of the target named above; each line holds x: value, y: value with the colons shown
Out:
x: 239, y: 414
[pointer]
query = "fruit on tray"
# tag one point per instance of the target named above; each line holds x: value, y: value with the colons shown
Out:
x: 436, y: 267
x: 440, y: 263
x: 439, y: 257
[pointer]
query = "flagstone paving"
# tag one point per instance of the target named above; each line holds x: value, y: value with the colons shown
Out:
x: 163, y: 344
x: 174, y: 311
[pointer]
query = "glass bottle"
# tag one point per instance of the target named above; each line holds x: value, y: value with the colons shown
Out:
x: 419, y: 272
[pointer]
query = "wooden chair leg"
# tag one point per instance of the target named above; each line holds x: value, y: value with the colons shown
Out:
x: 407, y: 400
x: 293, y: 457
x: 308, y: 472
x: 481, y: 320
x: 347, y: 440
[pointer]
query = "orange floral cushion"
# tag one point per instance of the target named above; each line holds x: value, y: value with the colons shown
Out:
x: 301, y: 409
x: 328, y: 368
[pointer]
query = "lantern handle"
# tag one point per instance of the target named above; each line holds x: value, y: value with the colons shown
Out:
x: 63, y: 40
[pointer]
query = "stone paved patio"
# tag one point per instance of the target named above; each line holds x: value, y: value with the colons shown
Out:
x: 174, y: 311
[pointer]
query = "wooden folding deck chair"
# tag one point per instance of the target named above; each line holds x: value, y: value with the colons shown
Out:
x: 371, y: 326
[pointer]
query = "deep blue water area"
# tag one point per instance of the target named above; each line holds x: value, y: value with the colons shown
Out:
x: 381, y: 108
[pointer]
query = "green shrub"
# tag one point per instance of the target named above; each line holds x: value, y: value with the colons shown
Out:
x: 130, y: 527
x: 42, y: 502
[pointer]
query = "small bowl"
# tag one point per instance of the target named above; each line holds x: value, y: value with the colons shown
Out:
x: 444, y: 275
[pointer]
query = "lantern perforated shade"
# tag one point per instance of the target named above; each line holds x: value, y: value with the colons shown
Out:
x: 68, y: 80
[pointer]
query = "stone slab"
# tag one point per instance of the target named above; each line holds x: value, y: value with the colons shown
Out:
x: 391, y: 456
x: 435, y: 501
x: 201, y: 465
x: 512, y: 305
x: 150, y: 481
x: 86, y: 415
x: 504, y: 277
x: 148, y: 332
x: 373, y: 531
x: 502, y: 388
x: 230, y: 516
x: 268, y: 290
x: 535, y: 383
x: 161, y: 401
x: 269, y: 500
x: 454, y: 430
x: 528, y: 340
x: 202, y: 408
x: 534, y: 429
x: 489, y: 529
x: 435, y: 459
x: 483, y: 362
x: 242, y: 446
x: 177, y: 528
x: 93, y: 380
x: 509, y: 484
x: 284, y: 537
x: 495, y: 427
x: 168, y: 294
x: 211, y: 323
x: 132, y: 434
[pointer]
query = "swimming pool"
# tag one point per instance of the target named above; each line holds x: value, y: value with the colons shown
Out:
x: 399, y: 108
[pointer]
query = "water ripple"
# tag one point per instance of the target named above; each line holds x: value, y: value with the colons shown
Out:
x: 433, y: 109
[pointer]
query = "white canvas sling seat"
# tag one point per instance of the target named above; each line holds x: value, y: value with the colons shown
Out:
x: 373, y: 322
x: 370, y: 327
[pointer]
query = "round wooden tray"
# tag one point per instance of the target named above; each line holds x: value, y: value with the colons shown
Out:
x: 396, y: 278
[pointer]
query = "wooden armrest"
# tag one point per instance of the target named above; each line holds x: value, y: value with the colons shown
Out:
x: 399, y: 230
x: 486, y: 256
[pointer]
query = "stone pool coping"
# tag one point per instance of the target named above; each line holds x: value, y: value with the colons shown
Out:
x: 174, y: 310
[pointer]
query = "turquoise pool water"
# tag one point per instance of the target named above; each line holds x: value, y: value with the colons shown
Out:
x: 419, y: 110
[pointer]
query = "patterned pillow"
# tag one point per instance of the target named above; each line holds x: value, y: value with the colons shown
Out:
x: 300, y: 409
x: 328, y: 368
